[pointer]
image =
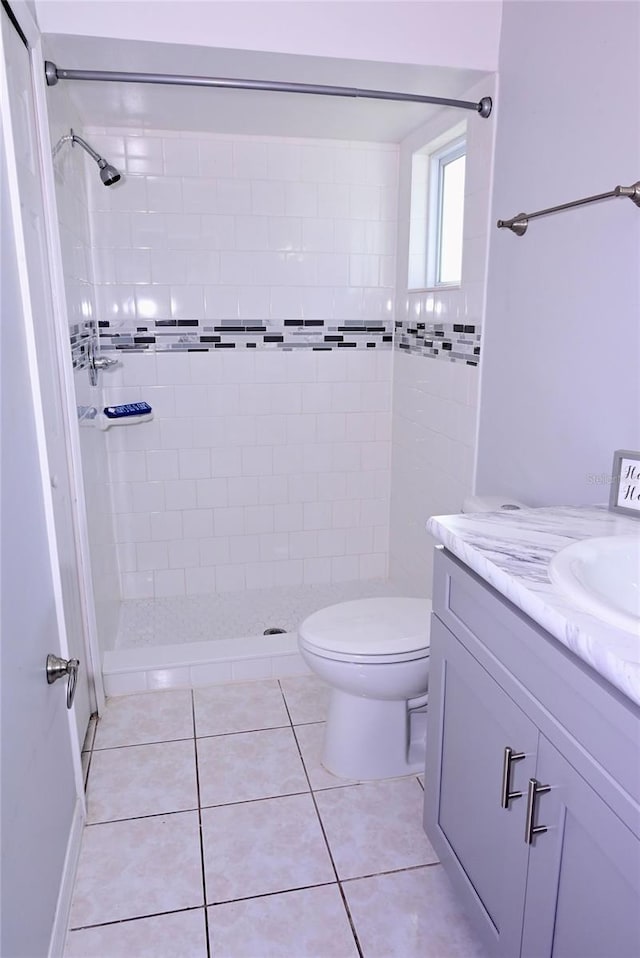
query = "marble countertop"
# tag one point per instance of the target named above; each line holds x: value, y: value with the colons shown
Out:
x: 511, y: 551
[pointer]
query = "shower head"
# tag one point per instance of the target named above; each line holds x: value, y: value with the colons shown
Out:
x: 108, y: 173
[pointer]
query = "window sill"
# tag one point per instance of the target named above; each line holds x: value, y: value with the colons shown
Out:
x: 434, y: 289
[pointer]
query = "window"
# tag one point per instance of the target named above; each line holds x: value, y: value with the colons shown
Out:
x: 437, y: 213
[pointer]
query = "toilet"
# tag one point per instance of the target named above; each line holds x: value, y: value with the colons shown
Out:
x: 374, y: 656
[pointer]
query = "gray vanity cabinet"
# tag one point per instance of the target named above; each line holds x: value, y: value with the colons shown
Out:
x: 583, y: 880
x: 498, y: 682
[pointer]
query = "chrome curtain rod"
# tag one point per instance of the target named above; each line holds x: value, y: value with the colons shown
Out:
x: 54, y: 73
x: 518, y: 224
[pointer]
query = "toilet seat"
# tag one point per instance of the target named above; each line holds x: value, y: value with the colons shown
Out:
x: 370, y: 630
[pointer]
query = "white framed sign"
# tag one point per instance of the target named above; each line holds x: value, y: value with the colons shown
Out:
x: 625, y: 484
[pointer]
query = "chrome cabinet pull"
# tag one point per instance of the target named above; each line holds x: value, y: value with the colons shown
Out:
x: 506, y: 793
x: 57, y: 668
x: 535, y: 789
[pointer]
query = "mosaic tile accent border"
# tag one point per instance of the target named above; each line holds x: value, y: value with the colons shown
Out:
x: 168, y: 335
x: 453, y: 342
x: 80, y: 335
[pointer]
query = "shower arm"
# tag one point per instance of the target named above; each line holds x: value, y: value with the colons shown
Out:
x: 73, y: 138
x: 85, y: 146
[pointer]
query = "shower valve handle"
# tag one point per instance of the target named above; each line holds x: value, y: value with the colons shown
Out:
x: 103, y: 362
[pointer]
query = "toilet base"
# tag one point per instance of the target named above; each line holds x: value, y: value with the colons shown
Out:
x: 372, y: 738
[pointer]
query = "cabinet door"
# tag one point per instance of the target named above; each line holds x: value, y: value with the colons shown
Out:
x: 470, y: 722
x: 583, y: 889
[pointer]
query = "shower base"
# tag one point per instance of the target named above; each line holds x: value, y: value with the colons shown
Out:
x: 187, y: 641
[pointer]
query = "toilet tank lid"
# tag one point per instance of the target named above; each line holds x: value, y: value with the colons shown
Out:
x: 382, y: 626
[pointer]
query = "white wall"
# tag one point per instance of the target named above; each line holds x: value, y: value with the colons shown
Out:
x: 71, y: 166
x: 435, y: 398
x: 445, y: 33
x: 561, y: 368
x: 262, y: 466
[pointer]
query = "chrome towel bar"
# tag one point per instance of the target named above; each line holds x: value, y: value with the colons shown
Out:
x: 518, y: 224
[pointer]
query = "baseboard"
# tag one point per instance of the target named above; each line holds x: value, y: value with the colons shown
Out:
x: 61, y: 920
x: 193, y: 664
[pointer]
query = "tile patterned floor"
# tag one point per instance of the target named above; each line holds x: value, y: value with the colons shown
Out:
x: 214, y: 832
x: 223, y: 615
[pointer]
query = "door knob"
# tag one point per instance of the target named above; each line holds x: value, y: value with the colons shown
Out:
x: 57, y: 668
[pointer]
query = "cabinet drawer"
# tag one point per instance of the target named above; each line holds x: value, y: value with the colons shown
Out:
x: 590, y: 721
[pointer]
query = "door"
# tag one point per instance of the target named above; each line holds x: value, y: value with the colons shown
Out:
x: 21, y: 101
x: 39, y: 772
x: 590, y: 860
x: 471, y: 722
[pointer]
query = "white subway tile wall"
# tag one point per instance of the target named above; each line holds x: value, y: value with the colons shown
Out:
x: 435, y: 399
x: 223, y: 241
x: 262, y: 466
x: 249, y: 482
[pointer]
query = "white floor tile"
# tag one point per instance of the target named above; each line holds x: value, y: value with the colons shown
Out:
x: 412, y: 914
x: 142, y: 780
x: 307, y: 698
x: 137, y: 868
x: 261, y: 847
x: 375, y: 827
x: 165, y: 936
x: 145, y: 718
x: 249, y: 765
x: 310, y: 739
x: 306, y: 924
x: 244, y: 707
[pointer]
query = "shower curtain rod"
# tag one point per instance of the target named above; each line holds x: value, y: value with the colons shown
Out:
x: 54, y: 73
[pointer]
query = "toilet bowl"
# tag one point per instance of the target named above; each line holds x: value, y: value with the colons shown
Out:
x: 374, y: 656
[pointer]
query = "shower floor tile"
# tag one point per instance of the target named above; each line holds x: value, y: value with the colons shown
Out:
x: 320, y: 869
x: 200, y: 618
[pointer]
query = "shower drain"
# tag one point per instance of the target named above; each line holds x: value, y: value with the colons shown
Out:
x: 274, y: 630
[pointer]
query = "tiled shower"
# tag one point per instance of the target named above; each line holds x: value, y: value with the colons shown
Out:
x: 253, y: 290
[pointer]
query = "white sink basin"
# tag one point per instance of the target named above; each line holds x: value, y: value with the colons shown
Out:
x: 602, y: 576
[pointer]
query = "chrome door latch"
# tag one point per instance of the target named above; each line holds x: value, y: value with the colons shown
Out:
x: 57, y: 668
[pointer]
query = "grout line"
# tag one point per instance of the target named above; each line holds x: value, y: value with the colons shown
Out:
x: 324, y: 835
x: 140, y: 818
x: 271, y: 894
x: 123, y: 921
x: 93, y: 718
x: 204, y: 880
x: 392, y: 871
x: 162, y: 741
x: 244, y: 731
